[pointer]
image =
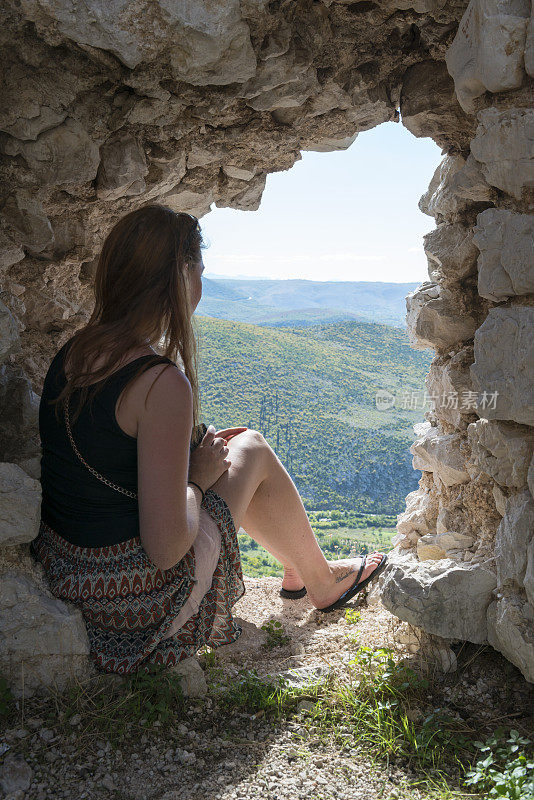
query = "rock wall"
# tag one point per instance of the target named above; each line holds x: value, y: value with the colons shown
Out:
x: 463, y: 567
x: 106, y: 106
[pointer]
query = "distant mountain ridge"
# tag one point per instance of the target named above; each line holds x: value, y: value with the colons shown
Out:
x: 295, y: 300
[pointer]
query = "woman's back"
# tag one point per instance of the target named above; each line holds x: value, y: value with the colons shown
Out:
x: 76, y: 504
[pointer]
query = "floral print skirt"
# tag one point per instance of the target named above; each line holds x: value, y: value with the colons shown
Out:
x: 130, y: 606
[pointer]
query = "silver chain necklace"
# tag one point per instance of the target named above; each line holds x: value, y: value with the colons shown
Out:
x: 95, y: 473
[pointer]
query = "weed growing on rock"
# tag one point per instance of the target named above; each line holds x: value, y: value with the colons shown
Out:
x: 506, y: 769
x: 352, y: 616
x: 275, y: 634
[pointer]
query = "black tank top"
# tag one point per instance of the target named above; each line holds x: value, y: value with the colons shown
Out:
x: 76, y: 504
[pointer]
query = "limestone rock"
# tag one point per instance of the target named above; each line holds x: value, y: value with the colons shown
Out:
x: 9, y: 334
x: 211, y: 41
x: 26, y: 216
x: 506, y: 264
x: 15, y: 776
x: 277, y: 41
x: 247, y: 198
x: 408, y: 635
x: 530, y: 477
x: 528, y: 581
x: 449, y: 518
x: 329, y: 97
x: 297, y: 676
x: 427, y: 292
x: 166, y: 175
x: 451, y: 252
x: 183, y: 199
x: 429, y: 107
x: 122, y: 168
x: 19, y: 411
x: 453, y: 540
x: 440, y: 545
x: 513, y: 537
x: 529, y: 46
x: 43, y: 309
x: 239, y: 173
x: 20, y: 505
x: 487, y: 52
x: 501, y: 450
x: 440, y: 199
x: 251, y: 637
x: 456, y: 184
x: 373, y: 599
x: 504, y: 363
x: 444, y: 598
x: 503, y: 146
x: 421, y: 6
x: 419, y: 518
x: 10, y: 252
x: 330, y: 144
x: 440, y: 454
x: 469, y: 185
x: 433, y: 318
x: 36, y: 100
x: 42, y: 633
x: 62, y: 155
x: 511, y: 633
x: 200, y: 157
x: 282, y: 82
x: 447, y: 660
x: 95, y: 25
x: 448, y: 384
x: 70, y: 236
x: 192, y: 678
x: 429, y: 550
x: 500, y: 500
x: 27, y: 116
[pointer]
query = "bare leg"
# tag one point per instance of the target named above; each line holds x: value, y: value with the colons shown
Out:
x: 259, y: 517
x: 263, y: 499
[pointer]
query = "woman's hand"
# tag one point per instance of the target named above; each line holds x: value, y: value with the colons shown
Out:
x: 227, y: 433
x: 208, y: 461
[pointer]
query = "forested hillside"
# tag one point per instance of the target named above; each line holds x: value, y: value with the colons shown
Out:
x: 311, y: 391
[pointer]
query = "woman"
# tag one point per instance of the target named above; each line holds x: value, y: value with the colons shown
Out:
x: 140, y: 511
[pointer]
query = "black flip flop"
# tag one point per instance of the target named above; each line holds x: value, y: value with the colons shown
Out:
x: 293, y: 594
x: 357, y: 586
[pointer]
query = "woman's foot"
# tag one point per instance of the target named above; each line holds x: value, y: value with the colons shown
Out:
x: 343, y: 574
x: 292, y: 580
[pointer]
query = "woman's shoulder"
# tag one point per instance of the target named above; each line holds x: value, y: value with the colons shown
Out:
x: 169, y: 378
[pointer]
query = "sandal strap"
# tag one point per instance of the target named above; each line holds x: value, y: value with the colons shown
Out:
x: 362, y: 567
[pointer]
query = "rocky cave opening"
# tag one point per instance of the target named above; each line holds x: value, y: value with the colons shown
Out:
x: 123, y: 103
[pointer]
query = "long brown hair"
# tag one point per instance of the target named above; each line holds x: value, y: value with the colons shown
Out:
x: 142, y: 294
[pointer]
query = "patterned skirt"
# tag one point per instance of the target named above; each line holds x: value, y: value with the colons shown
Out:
x: 129, y: 605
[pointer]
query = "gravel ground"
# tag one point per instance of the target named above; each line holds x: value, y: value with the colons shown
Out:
x: 205, y: 754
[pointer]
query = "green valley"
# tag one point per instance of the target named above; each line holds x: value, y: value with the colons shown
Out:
x: 310, y: 390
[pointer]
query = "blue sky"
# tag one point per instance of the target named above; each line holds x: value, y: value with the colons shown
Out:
x: 346, y: 215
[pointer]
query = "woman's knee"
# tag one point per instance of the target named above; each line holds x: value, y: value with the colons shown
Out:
x: 249, y: 449
x: 256, y: 438
x: 256, y: 442
x: 238, y: 485
x: 250, y: 439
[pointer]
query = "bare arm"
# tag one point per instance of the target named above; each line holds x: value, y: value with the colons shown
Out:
x: 168, y: 507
